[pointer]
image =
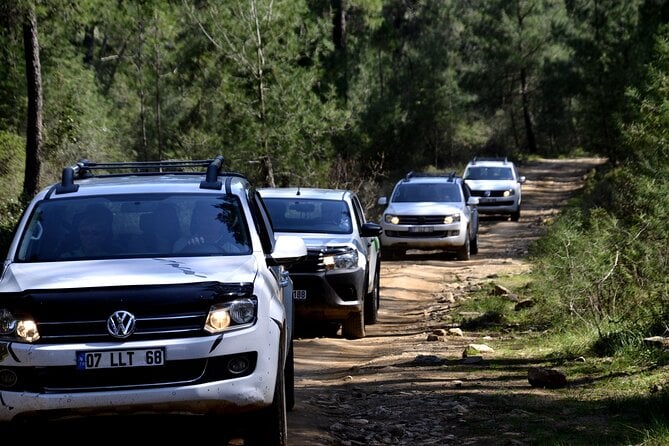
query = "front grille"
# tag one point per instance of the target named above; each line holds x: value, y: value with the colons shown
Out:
x: 421, y: 219
x: 161, y: 311
x: 492, y: 193
x: 70, y: 379
x: 313, y: 263
x: 163, y: 326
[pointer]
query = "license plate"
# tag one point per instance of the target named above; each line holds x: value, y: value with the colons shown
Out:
x: 110, y: 359
x: 300, y: 294
x: 421, y: 228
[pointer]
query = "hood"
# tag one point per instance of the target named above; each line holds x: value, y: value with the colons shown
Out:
x: 316, y: 241
x: 423, y: 208
x: 127, y: 272
x: 491, y: 184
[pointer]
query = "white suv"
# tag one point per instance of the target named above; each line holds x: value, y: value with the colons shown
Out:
x: 497, y: 184
x: 114, y: 297
x: 430, y: 212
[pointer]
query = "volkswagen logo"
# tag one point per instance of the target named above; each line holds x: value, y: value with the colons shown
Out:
x: 486, y: 193
x: 121, y: 324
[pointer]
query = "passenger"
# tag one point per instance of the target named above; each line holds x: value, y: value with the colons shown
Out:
x: 94, y: 232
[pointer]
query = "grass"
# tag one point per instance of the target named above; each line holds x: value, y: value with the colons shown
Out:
x: 618, y: 399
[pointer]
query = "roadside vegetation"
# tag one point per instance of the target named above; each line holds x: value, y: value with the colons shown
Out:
x: 599, y: 291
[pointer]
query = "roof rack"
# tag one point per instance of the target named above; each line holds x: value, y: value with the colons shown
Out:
x: 504, y: 159
x: 413, y: 174
x: 83, y: 169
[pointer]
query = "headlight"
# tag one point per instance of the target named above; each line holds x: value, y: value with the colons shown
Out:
x: 454, y: 218
x: 392, y: 219
x: 231, y: 315
x: 18, y: 329
x: 347, y: 259
x: 508, y: 193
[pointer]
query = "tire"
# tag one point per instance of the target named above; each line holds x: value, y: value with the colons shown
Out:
x: 474, y: 245
x: 515, y: 216
x: 387, y: 254
x: 269, y: 427
x: 354, y: 326
x: 372, y: 299
x: 465, y: 251
x: 392, y: 254
x: 289, y: 378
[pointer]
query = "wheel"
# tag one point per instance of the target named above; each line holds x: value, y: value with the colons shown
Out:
x: 474, y: 245
x: 464, y: 252
x: 289, y: 377
x: 372, y: 299
x: 392, y: 254
x: 387, y: 254
x: 269, y: 427
x: 354, y: 326
x: 515, y: 216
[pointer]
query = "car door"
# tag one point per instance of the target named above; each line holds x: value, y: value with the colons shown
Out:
x: 473, y: 211
x: 370, y: 242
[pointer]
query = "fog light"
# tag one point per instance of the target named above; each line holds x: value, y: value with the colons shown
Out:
x: 8, y: 378
x: 238, y: 365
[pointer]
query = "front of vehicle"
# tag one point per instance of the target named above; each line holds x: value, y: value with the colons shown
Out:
x: 497, y: 187
x: 141, y: 328
x: 424, y: 215
x: 330, y: 284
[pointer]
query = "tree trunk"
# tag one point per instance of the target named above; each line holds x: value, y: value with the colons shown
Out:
x: 31, y: 180
x: 527, y: 117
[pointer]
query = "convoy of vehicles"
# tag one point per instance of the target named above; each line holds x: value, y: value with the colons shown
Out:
x: 175, y: 286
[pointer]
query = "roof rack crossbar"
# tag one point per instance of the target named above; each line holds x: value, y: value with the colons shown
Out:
x: 82, y: 169
x: 451, y: 175
x: 491, y: 158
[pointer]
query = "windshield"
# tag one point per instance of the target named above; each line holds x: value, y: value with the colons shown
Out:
x: 488, y: 173
x: 137, y: 225
x: 309, y: 215
x: 427, y: 192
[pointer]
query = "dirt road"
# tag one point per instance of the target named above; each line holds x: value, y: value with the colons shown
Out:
x: 396, y: 387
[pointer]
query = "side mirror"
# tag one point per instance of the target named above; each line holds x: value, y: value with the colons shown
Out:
x: 288, y: 249
x: 382, y: 201
x: 521, y: 179
x: 473, y: 201
x: 371, y: 229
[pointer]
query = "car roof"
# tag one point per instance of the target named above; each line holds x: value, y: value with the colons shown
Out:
x: 145, y: 177
x: 490, y: 162
x: 429, y: 177
x: 304, y: 192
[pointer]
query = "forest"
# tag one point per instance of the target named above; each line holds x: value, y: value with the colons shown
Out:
x: 352, y: 94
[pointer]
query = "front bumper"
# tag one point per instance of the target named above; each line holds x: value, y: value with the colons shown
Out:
x: 497, y: 205
x: 446, y: 237
x: 51, y: 386
x: 328, y: 295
